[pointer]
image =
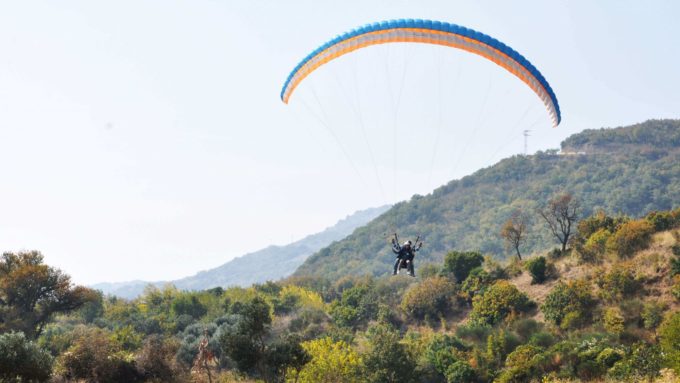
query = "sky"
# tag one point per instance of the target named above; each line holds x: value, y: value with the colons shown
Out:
x: 146, y: 139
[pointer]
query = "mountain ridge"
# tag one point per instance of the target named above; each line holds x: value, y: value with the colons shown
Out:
x: 642, y: 175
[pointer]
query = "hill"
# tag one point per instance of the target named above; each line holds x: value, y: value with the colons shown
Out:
x: 269, y: 264
x: 606, y: 310
x: 627, y: 170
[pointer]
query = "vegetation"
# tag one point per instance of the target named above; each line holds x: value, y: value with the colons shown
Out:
x: 609, y: 312
x: 538, y: 268
x: 625, y: 171
x: 472, y: 319
x: 514, y: 231
x: 460, y: 264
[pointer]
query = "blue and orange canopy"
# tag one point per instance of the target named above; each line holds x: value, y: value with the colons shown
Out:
x: 429, y: 32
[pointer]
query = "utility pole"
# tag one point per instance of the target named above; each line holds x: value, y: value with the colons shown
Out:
x: 526, y: 139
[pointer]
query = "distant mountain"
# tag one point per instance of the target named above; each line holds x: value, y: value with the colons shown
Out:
x: 271, y: 263
x: 631, y: 170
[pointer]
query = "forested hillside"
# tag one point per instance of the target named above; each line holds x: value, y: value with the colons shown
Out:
x: 626, y: 170
x: 269, y: 264
x: 604, y: 310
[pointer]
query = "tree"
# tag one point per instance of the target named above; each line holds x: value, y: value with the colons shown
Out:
x: 537, y: 267
x: 613, y: 320
x: 669, y: 339
x: 387, y: 360
x: 245, y: 342
x: 331, y: 361
x: 514, y: 231
x: 524, y: 363
x: 497, y: 302
x: 619, y: 283
x: 461, y: 263
x: 560, y: 214
x: 22, y: 360
x: 32, y: 292
x: 432, y: 298
x: 155, y: 360
x: 631, y: 237
x: 460, y: 371
x: 94, y: 357
x: 188, y: 304
x: 568, y: 302
x: 285, y: 356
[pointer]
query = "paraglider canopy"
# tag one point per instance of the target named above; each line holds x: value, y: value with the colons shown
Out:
x: 427, y: 32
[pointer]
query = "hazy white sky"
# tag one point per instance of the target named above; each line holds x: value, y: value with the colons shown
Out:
x: 146, y: 139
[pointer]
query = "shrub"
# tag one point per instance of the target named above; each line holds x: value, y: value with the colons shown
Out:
x: 675, y: 290
x: 189, y: 304
x: 428, y: 270
x: 442, y: 351
x: 357, y: 306
x: 460, y: 372
x: 572, y: 298
x: 156, y: 359
x: 477, y: 332
x: 461, y: 263
x: 595, y: 246
x: 499, y: 301
x: 598, y: 221
x: 608, y: 357
x: 631, y: 237
x: 94, y: 357
x: 669, y: 340
x: 524, y: 363
x: 331, y: 362
x: 620, y: 282
x: 661, y: 220
x: 613, y: 320
x: 430, y: 298
x: 537, y: 268
x: 652, y: 314
x: 475, y: 283
x: 555, y: 254
x: 573, y: 320
x: 22, y: 360
x: 643, y: 361
x: 387, y: 359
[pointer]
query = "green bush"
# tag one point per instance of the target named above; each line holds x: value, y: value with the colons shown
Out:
x: 595, y: 246
x: 460, y: 372
x: 597, y: 222
x: 475, y: 283
x: 433, y: 297
x: 21, y: 360
x: 642, y: 362
x: 497, y: 302
x: 608, y: 357
x: 537, y: 267
x: 555, y: 254
x: 613, y: 321
x: 620, y: 282
x: 669, y: 340
x: 523, y: 364
x: 357, y: 306
x: 443, y: 351
x: 386, y: 359
x: 571, y: 298
x: 661, y: 220
x: 459, y: 264
x: 573, y: 320
x: 631, y: 237
x: 652, y: 314
x: 94, y: 357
